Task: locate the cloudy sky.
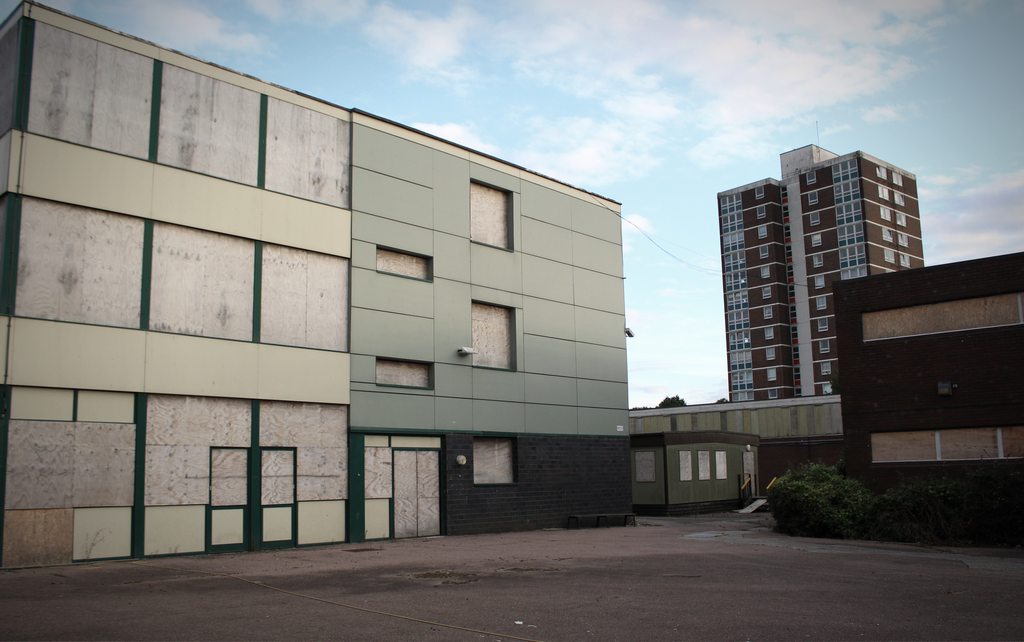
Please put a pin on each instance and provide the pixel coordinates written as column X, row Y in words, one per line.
column 660, row 105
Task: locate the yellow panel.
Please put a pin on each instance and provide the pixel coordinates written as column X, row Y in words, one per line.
column 298, row 374
column 415, row 442
column 321, row 522
column 102, row 533
column 37, row 537
column 378, row 518
column 179, row 364
column 323, row 228
column 175, row 529
column 376, row 441
column 53, row 404
column 227, row 526
column 68, row 355
column 277, row 523
column 111, row 407
column 204, row 202
column 88, row 177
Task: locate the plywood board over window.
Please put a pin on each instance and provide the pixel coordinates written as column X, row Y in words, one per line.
column 492, row 336
column 643, row 466
column 307, row 153
column 401, row 263
column 948, row 316
column 969, row 443
column 916, row 445
column 304, row 299
column 493, row 460
column 403, row 373
column 489, row 215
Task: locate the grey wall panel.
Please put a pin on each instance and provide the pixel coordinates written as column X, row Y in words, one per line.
column 596, row 254
column 307, row 154
column 40, row 464
column 391, row 155
column 377, row 468
column 202, row 421
column 546, row 279
column 544, row 204
column 548, row 318
column 90, row 93
column 202, row 283
column 451, row 198
column 177, row 475
column 392, row 198
column 392, row 335
column 544, row 355
column 547, row 241
column 8, row 73
column 229, row 476
column 600, row 362
column 605, row 328
column 104, row 464
column 208, row 126
column 599, row 291
column 304, row 299
column 78, row 264
column 277, row 474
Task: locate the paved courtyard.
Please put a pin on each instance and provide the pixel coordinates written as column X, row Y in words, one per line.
column 719, row 577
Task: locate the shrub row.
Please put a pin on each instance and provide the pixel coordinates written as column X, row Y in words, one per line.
column 980, row 507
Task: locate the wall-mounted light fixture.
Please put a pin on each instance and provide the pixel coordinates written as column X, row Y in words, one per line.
column 461, row 460
column 629, row 333
column 467, row 350
column 946, row 388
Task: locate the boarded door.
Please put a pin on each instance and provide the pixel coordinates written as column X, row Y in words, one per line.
column 417, row 497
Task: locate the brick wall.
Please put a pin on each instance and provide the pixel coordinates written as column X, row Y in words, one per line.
column 555, row 477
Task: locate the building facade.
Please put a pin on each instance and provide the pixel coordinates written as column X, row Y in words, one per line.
column 932, row 379
column 236, row 317
column 785, row 242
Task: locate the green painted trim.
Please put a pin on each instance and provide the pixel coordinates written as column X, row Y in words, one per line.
column 255, row 531
column 261, row 158
column 413, row 432
column 5, row 420
column 210, row 508
column 442, row 486
column 355, row 506
column 257, row 291
column 139, row 491
column 12, row 243
column 147, row 274
column 26, row 47
column 154, row 110
column 74, row 405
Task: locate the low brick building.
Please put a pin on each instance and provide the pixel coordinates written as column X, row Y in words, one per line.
column 932, row 379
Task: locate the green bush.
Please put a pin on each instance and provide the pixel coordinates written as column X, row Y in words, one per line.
column 817, row 501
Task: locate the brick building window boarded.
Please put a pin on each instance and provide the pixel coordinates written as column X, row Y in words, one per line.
column 489, row 208
column 409, row 374
column 493, row 461
column 948, row 316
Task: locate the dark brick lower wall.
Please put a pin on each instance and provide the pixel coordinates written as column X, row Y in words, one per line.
column 776, row 456
column 556, row 476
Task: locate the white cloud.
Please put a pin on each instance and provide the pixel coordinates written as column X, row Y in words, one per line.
column 187, row 26
column 461, row 134
column 430, row 46
column 312, row 12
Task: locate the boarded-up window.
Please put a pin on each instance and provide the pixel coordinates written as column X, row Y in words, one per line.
column 304, row 299
column 489, row 209
column 703, row 465
column 1013, row 441
column 969, row 443
column 410, row 265
column 307, row 153
column 493, row 461
column 229, row 476
column 949, row 316
column 90, row 93
column 492, row 336
column 403, row 373
column 643, row 466
column 915, row 445
column 721, row 465
column 78, row 264
column 208, row 126
column 277, row 477
column 202, row 283
column 685, row 465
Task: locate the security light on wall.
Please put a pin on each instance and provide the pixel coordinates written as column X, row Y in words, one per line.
column 467, row 350
column 629, row 333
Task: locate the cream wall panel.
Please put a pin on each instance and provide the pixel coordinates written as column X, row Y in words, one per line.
column 227, row 527
column 101, row 533
column 175, row 529
column 78, row 264
column 52, row 404
column 302, row 375
column 277, row 523
column 304, row 299
column 179, row 364
column 37, row 537
column 377, row 518
column 40, row 464
column 321, row 522
column 324, row 229
column 177, row 475
column 90, row 93
column 202, row 283
column 104, row 464
column 111, row 407
column 377, row 471
column 229, row 476
column 200, row 421
column 415, row 442
column 205, row 202
column 376, row 441
column 278, row 477
column 208, row 126
column 307, row 153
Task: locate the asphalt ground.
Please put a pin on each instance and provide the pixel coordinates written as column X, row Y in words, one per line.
column 718, row 577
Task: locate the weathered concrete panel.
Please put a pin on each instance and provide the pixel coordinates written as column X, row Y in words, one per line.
column 228, row 476
column 177, row 475
column 410, row 265
column 492, row 336
column 208, row 126
column 377, row 470
column 307, row 154
column 104, row 464
column 304, row 299
column 90, row 93
column 202, row 283
column 278, row 477
column 78, row 264
column 200, row 421
column 403, row 373
column 40, row 460
column 37, row 537
column 489, row 211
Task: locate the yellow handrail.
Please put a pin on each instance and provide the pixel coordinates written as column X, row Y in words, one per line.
column 769, row 486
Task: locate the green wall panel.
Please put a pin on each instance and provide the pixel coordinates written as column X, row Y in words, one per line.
column 557, row 420
column 391, row 410
column 547, row 389
column 544, row 355
column 391, row 293
column 392, row 335
column 603, row 421
column 392, row 198
column 494, row 178
column 543, row 204
column 596, row 254
column 451, row 257
column 364, row 255
column 602, row 394
column 596, row 220
column 500, row 416
column 494, row 268
column 547, row 279
column 605, row 328
column 391, row 155
column 453, row 381
column 498, row 385
column 548, row 318
column 451, row 194
column 600, row 362
column 547, row 241
column 453, row 324
column 393, row 234
column 596, row 290
column 362, row 368
column 453, row 414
